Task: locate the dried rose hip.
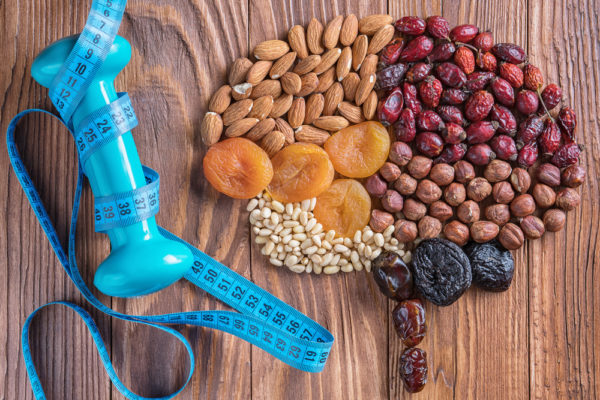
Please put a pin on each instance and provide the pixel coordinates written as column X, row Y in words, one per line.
column 478, row 80
column 566, row 155
column 417, row 49
column 453, row 133
column 551, row 95
column 509, row 52
column 532, row 77
column 527, row 102
column 390, row 77
column 503, row 92
column 484, row 41
column 411, row 25
column 410, row 98
column 481, row 131
column 451, row 153
column 454, row 97
column 429, row 144
column 512, row 73
column 464, row 58
column 450, row 75
column 487, row 61
column 463, row 33
column 391, row 52
column 549, row 140
column 504, row 146
column 441, row 52
column 567, row 121
column 390, row 107
column 507, row 123
column 492, row 265
column 429, row 120
column 478, row 106
column 409, row 321
column 430, row 91
column 413, row 369
column 451, row 114
column 438, row 27
column 404, row 128
column 528, row 154
column 418, row 72
column 480, row 154
column 393, row 276
column 529, row 130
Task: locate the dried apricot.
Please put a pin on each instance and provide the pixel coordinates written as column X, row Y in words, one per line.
column 358, row 151
column 345, row 207
column 301, row 171
column 238, row 168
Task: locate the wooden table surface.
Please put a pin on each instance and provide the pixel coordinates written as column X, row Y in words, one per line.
column 541, row 339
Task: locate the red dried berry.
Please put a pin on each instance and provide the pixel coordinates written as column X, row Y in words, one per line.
column 411, row 25
column 451, row 114
column 528, row 155
column 454, row 133
column 391, row 52
column 481, row 131
column 527, row 102
column 478, row 106
column 404, row 128
column 484, row 41
column 453, row 96
column 503, row 92
column 509, row 52
column 389, row 108
column 478, row 80
column 532, row 77
column 463, row 33
column 418, row 72
column 413, row 369
column 549, row 140
column 429, row 144
column 529, row 130
column 567, row 121
column 464, row 58
column 438, row 27
column 441, row 52
column 410, row 98
column 450, row 75
column 551, row 95
column 390, row 77
column 567, row 154
column 451, row 153
column 429, row 120
column 507, row 123
column 430, row 92
column 480, row 154
column 417, row 49
column 504, row 146
column 487, row 61
column 409, row 320
column 512, row 73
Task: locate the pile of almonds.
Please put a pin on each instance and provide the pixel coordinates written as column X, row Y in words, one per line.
column 319, row 81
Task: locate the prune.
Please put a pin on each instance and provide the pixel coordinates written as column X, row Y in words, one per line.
column 409, row 321
column 491, row 264
column 413, row 369
column 389, row 77
column 393, row 276
column 442, row 271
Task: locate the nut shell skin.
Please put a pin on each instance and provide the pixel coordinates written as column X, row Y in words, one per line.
column 492, row 265
column 503, row 192
column 405, row 184
column 455, row 194
column 544, row 195
column 406, row 231
column 568, row 199
column 554, row 220
column 573, row 176
column 429, row 227
column 532, row 227
column 498, row 214
column 457, row 232
column 522, row 205
column 484, row 231
column 520, row 180
column 511, row 236
column 468, row 212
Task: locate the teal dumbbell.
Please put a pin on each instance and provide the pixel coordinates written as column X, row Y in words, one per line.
column 142, row 260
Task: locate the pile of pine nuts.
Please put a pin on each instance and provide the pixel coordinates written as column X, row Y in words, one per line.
column 291, row 236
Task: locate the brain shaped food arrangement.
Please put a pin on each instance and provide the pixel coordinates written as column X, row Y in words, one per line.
column 363, row 141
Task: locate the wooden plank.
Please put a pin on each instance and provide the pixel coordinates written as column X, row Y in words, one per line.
column 565, row 327
column 348, row 305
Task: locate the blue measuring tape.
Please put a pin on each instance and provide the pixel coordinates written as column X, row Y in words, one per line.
column 262, row 319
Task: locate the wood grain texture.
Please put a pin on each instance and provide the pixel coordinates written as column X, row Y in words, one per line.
column 541, row 339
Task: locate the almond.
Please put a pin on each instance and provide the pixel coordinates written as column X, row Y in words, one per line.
column 239, row 70
column 282, row 126
column 380, row 39
column 351, row 112
column 308, row 64
column 371, row 24
column 241, row 91
column 281, row 105
column 359, row 51
column 261, row 129
column 331, row 123
column 364, row 88
column 297, row 40
column 272, row 142
column 350, row 83
column 296, row 113
column 309, row 83
column 328, row 60
column 344, row 63
column 370, row 105
column 291, row 83
column 333, row 97
column 326, row 79
column 220, row 100
column 314, row 34
column 271, row 50
column 237, row 111
column 310, row 134
column 239, row 128
column 269, row 87
column 349, row 30
column 314, row 107
column 211, row 128
column 258, row 72
column 262, row 107
column 282, row 65
column 369, row 66
column 331, row 35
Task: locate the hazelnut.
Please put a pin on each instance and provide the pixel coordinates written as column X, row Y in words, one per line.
column 463, row 171
column 498, row 214
column 468, row 212
column 522, row 205
column 478, row 189
column 442, row 174
column 502, row 192
column 400, row 153
column 549, row 174
column 484, row 231
column 520, row 180
column 406, row 231
column 390, row 171
column 380, row 220
column 554, row 220
column 497, row 170
column 440, row 210
column 511, row 236
column 375, row 185
column 414, row 210
column 428, row 191
column 573, row 176
column 455, row 194
column 405, row 184
column 429, row 227
column 567, row 199
column 419, row 167
column 544, row 195
column 532, row 227
column 457, row 232
column 392, row 201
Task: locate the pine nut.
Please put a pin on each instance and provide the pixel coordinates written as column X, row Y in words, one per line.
column 306, row 244
column 296, row 213
column 347, row 268
column 387, row 233
column 326, row 245
column 298, row 268
column 305, row 205
column 317, row 240
column 290, row 260
column 317, row 229
column 310, row 224
column 378, row 239
column 298, row 229
column 260, row 240
column 275, row 262
column 299, row 236
column 366, row 236
column 357, row 237
column 332, row 269
column 269, row 247
column 311, row 250
column 317, row 269
column 303, row 218
column 294, row 243
column 313, row 203
column 290, row 224
column 277, row 206
column 329, row 236
column 256, row 230
column 252, row 205
column 340, row 248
